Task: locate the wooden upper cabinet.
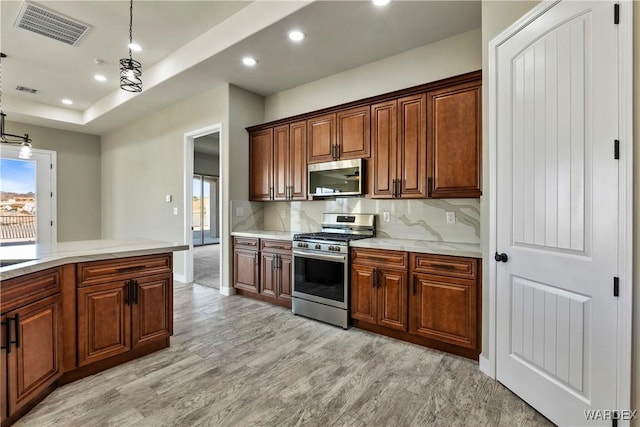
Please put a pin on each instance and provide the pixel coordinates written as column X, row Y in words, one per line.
column 353, row 136
column 398, row 168
column 261, row 165
column 412, row 146
column 321, row 140
column 455, row 135
column 281, row 161
column 298, row 161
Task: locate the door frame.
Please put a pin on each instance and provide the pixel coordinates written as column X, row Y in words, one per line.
column 625, row 196
column 189, row 138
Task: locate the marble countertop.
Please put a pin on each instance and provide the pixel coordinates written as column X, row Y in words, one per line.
column 266, row 234
column 422, row 246
column 46, row 255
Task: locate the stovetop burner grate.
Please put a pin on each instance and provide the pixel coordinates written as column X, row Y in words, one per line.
column 338, row 237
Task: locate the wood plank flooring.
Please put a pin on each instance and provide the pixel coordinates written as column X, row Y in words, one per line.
column 234, row 361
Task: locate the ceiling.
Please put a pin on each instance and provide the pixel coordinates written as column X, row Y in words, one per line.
column 192, row 46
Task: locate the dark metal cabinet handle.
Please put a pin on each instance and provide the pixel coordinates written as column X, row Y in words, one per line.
column 17, row 321
column 7, row 325
column 393, row 188
column 501, row 257
column 399, row 190
column 429, row 186
column 255, row 258
column 415, row 284
column 270, row 193
column 379, row 274
column 136, row 289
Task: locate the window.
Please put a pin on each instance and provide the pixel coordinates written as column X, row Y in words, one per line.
column 27, row 197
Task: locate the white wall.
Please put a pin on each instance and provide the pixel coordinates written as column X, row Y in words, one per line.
column 496, row 17
column 206, row 164
column 78, row 178
column 449, row 57
column 143, row 161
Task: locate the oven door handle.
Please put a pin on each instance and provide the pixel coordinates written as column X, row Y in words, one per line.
column 326, row 257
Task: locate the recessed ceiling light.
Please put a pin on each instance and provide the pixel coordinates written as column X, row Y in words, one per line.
column 296, row 35
column 67, row 101
column 249, row 61
column 381, row 2
column 100, row 78
column 135, row 47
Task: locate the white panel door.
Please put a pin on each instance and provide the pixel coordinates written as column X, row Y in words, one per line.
column 557, row 211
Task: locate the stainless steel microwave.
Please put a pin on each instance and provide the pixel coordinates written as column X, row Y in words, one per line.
column 339, row 178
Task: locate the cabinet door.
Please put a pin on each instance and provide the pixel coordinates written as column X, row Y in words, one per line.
column 268, row 274
column 321, row 138
column 363, row 294
column 392, row 299
column 35, row 362
column 285, row 270
column 261, row 165
column 444, row 309
column 280, row 162
column 382, row 166
column 354, row 137
column 152, row 309
column 412, row 146
column 455, row 136
column 298, row 161
column 104, row 322
column 245, row 270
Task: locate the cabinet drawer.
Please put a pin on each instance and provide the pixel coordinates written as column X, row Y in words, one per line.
column 450, row 266
column 246, row 242
column 393, row 259
column 29, row 288
column 275, row 245
column 98, row 271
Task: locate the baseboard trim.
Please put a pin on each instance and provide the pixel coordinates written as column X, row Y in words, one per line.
column 227, row 291
column 486, row 367
column 180, row 278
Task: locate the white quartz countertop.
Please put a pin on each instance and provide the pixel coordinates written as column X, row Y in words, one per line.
column 46, row 255
column 422, row 246
column 265, row 234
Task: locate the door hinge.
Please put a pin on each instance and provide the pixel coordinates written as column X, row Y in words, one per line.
column 616, row 13
column 616, row 287
column 616, row 149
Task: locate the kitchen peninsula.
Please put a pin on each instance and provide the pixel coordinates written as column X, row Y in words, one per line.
column 72, row 309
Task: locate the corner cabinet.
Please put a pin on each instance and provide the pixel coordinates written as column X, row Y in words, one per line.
column 455, row 135
column 31, row 338
column 261, row 165
column 123, row 305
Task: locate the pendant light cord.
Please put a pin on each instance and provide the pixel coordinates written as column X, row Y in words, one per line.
column 130, row 26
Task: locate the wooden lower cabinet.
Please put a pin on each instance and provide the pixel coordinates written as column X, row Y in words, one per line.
column 31, row 340
column 115, row 318
column 431, row 300
column 265, row 273
column 379, row 292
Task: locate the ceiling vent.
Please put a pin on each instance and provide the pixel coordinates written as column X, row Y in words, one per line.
column 26, row 89
column 51, row 24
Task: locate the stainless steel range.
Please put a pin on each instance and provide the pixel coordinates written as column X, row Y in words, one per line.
column 321, row 267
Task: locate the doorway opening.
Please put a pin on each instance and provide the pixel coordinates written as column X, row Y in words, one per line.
column 205, row 223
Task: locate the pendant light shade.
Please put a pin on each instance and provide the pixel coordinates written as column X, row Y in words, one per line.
column 130, row 69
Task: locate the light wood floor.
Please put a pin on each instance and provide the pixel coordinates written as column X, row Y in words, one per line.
column 234, row 361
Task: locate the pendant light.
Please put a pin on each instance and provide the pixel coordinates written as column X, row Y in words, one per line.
column 130, row 69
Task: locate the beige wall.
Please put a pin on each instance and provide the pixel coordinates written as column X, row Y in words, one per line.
column 144, row 160
column 78, row 178
column 206, row 164
column 449, row 57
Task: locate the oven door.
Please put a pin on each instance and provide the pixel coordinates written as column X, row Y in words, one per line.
column 321, row 278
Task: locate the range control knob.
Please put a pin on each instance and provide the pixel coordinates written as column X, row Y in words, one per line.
column 331, row 248
column 318, row 246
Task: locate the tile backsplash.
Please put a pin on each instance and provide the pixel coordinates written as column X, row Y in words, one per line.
column 420, row 219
